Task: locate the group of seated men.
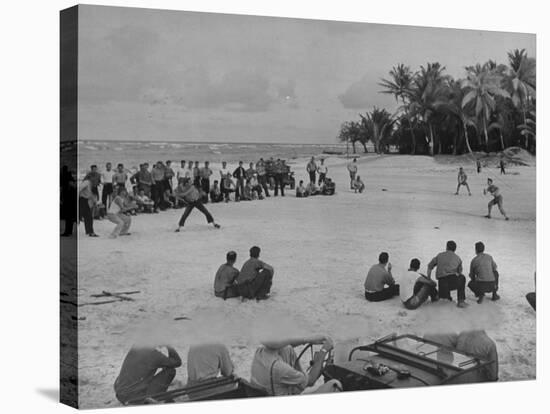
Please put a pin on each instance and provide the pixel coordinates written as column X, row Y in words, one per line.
column 148, row 371
column 484, row 278
column 253, row 281
column 326, row 187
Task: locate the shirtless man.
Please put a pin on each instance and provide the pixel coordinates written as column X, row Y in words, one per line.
column 462, row 180
column 352, row 168
column 497, row 199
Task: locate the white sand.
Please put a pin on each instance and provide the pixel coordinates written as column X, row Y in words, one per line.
column 321, row 249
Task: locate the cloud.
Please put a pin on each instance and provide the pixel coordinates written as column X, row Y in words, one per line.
column 359, row 94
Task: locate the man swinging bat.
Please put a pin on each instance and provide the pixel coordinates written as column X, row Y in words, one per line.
column 497, row 198
column 462, row 180
column 192, row 197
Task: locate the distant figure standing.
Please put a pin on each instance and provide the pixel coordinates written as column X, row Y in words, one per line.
column 107, row 180
column 86, row 201
column 206, row 172
column 478, row 166
column 352, row 169
column 502, row 169
column 197, row 175
column 181, row 171
column 279, row 170
column 120, row 177
column 239, row 174
column 96, row 180
column 322, row 170
column 157, row 189
column 261, row 169
column 449, row 274
column 311, row 168
column 256, row 277
column 380, row 284
column 462, row 181
column 146, row 371
column 483, row 274
column 497, row 199
column 191, row 195
column 168, row 176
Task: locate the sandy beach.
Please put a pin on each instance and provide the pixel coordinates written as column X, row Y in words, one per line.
column 321, row 248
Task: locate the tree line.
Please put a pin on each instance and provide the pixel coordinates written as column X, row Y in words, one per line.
column 491, row 109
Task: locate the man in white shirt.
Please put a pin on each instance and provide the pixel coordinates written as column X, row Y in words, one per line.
column 107, row 180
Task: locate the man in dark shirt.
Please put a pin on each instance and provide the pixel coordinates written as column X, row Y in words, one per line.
column 279, row 169
column 95, row 175
column 256, row 277
column 483, row 274
column 226, row 276
column 239, row 174
column 379, row 284
column 449, row 274
column 206, row 172
column 168, row 175
column 139, row 379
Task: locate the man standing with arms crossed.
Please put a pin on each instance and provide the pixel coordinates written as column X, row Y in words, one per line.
column 239, row 174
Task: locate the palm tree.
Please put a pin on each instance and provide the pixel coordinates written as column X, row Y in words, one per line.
column 378, row 123
column 350, row 132
column 429, row 87
column 480, row 89
column 400, row 85
column 521, row 82
column 452, row 106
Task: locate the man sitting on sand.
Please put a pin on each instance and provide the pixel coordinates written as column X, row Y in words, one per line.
column 256, row 277
column 276, row 370
column 191, row 195
column 312, row 189
column 143, row 202
column 462, row 181
column 215, row 193
column 301, row 190
column 497, row 199
column 357, row 185
column 483, row 274
column 146, row 371
column 379, row 284
column 423, row 289
column 225, row 285
column 328, row 187
column 208, row 361
column 449, row 274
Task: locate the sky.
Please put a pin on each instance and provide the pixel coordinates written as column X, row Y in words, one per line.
column 158, row 75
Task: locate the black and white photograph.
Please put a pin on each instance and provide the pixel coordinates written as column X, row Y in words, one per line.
column 258, row 206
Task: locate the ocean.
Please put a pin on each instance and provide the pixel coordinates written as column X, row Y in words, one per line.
column 131, row 154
